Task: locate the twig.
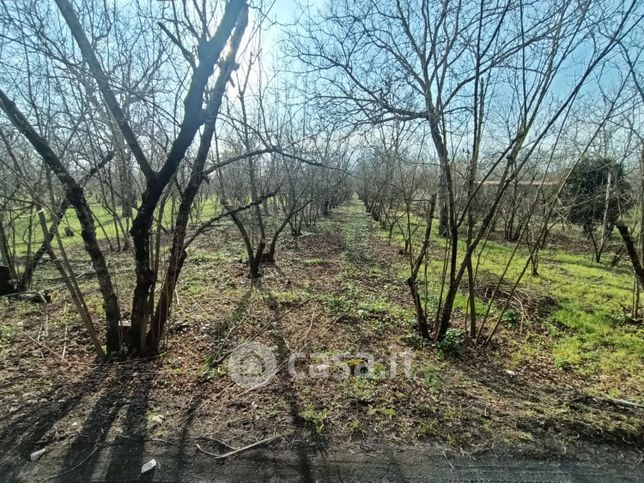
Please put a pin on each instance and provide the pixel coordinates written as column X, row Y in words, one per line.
column 91, row 453
column 447, row 459
column 43, row 346
column 208, row 438
column 230, row 453
column 624, row 402
column 64, row 343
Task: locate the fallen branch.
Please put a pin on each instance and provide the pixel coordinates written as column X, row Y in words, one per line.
column 30, row 296
column 219, row 442
column 236, row 451
column 606, row 400
column 624, row 402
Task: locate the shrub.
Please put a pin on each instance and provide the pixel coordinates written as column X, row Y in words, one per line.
column 452, row 343
column 511, row 317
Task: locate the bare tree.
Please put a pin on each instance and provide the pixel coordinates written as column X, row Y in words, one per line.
column 200, row 43
column 443, row 64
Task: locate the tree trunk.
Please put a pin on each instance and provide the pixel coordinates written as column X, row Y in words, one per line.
column 632, row 252
column 76, row 197
column 178, row 254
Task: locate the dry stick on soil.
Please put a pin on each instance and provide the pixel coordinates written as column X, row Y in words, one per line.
column 250, row 446
column 29, row 296
column 623, row 402
column 43, row 346
column 78, row 465
column 215, row 440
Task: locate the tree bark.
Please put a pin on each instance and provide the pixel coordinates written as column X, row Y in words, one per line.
column 632, row 252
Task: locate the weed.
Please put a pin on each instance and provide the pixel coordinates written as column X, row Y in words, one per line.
column 426, row 428
column 433, row 379
column 511, row 317
column 388, row 412
column 316, row 420
column 290, row 297
column 361, row 390
column 451, row 344
column 356, row 427
column 338, row 304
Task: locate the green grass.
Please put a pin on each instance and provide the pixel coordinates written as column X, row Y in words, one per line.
column 69, row 221
column 315, row 419
column 103, row 221
column 587, row 331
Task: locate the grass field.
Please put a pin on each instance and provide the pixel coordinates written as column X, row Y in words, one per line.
column 587, row 327
column 103, row 221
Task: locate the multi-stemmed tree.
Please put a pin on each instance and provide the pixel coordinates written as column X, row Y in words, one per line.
column 80, row 56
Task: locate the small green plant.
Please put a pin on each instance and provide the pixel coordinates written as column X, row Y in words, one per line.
column 426, row 428
column 451, row 344
column 290, row 297
column 388, row 412
column 355, row 426
column 315, row 419
column 361, row 390
column 433, row 379
column 511, row 317
column 338, row 304
column 415, row 340
column 5, row 331
column 211, row 369
column 426, row 410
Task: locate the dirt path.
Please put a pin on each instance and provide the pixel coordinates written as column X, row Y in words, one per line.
column 373, row 464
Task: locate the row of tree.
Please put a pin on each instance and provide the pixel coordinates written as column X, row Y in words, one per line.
column 489, row 108
column 140, row 118
column 154, row 121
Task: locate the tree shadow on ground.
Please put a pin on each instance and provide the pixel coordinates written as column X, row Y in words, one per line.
column 136, row 425
column 220, row 334
column 290, row 394
column 550, row 411
column 185, row 448
column 126, row 392
column 122, row 397
column 26, row 430
column 182, row 455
